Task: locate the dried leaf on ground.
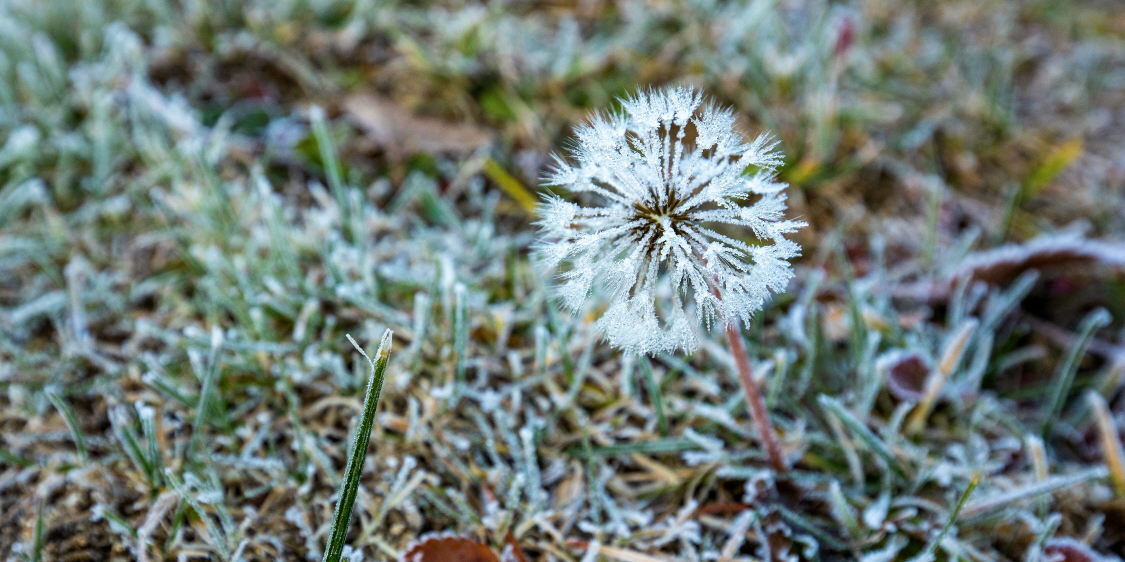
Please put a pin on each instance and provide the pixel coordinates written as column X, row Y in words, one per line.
column 906, row 374
column 448, row 548
column 401, row 131
column 1062, row 252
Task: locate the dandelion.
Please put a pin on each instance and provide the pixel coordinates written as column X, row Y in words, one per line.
column 650, row 240
column 663, row 178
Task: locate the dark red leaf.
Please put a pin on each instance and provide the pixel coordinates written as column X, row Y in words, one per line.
column 448, row 548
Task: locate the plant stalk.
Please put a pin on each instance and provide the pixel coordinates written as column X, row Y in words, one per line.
column 754, row 400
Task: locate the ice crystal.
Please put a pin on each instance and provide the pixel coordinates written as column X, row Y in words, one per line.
column 649, row 240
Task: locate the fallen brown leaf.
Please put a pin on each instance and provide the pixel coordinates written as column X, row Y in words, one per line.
column 907, row 374
column 1059, row 252
column 448, row 548
column 1055, row 254
column 1066, row 549
column 399, row 130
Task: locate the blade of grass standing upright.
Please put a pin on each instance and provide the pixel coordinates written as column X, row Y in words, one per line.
column 330, row 160
column 1064, row 376
column 866, row 435
column 71, row 422
column 657, row 395
column 352, row 471
column 927, row 555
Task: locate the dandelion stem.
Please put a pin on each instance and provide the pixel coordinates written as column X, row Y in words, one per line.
column 754, row 400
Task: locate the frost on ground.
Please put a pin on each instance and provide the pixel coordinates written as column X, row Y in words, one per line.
column 185, row 240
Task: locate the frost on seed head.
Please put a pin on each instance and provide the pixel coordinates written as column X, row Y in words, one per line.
column 646, row 239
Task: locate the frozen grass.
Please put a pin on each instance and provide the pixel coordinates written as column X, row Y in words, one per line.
column 357, row 455
column 186, row 238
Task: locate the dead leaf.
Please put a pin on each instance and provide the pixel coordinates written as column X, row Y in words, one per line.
column 1065, row 252
column 906, row 374
column 836, row 322
column 1066, row 549
column 400, row 131
column 1068, row 254
column 447, row 548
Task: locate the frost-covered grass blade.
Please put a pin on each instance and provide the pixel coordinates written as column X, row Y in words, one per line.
column 337, row 536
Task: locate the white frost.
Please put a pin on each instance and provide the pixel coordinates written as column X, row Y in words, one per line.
column 648, row 241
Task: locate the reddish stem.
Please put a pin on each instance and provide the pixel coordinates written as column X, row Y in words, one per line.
column 516, row 550
column 722, row 508
column 754, row 399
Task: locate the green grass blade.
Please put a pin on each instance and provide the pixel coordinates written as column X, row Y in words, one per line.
column 804, row 523
column 998, row 500
column 71, row 422
column 928, row 554
column 326, row 148
column 207, row 386
column 39, row 543
column 654, row 447
column 352, row 471
column 460, row 339
column 655, row 394
column 13, row 458
column 1064, row 377
column 866, row 435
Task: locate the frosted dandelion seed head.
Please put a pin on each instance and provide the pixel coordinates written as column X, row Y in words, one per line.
column 657, row 180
